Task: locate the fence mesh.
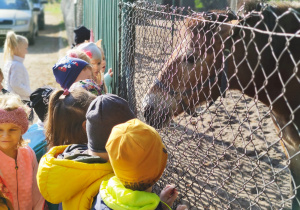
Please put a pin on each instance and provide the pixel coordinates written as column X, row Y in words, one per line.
column 226, row 153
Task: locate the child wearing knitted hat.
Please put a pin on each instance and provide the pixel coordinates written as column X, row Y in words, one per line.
column 77, row 170
column 69, row 70
column 75, row 53
column 18, row 165
column 138, row 158
column 98, row 62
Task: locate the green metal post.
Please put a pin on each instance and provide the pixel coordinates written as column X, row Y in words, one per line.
column 127, row 90
column 172, row 27
column 102, row 17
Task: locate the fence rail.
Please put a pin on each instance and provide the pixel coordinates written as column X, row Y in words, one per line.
column 226, row 153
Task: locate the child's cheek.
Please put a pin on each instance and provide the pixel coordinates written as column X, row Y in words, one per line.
column 95, row 69
column 102, row 69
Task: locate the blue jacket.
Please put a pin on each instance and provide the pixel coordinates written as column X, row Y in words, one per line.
column 37, row 139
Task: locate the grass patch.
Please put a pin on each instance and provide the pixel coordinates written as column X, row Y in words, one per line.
column 53, row 9
column 198, row 5
column 62, row 25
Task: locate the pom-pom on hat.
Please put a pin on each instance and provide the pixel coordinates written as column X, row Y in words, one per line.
column 137, row 154
column 91, row 49
column 67, row 69
column 39, row 100
column 81, row 34
column 103, row 114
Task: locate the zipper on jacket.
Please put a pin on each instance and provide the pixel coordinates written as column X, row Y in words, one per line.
column 17, row 183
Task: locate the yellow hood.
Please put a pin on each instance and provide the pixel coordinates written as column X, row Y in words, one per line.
column 73, row 183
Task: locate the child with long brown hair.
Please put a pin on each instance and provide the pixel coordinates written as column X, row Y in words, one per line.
column 18, row 165
column 65, row 121
column 15, row 74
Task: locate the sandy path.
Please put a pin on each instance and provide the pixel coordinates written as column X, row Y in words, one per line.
column 49, row 46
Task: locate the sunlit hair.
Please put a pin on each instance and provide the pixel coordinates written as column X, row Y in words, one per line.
column 10, row 102
column 66, row 114
column 103, row 58
column 102, row 75
column 1, row 76
column 75, row 53
column 12, row 43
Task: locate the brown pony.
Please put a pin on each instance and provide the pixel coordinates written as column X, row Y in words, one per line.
column 257, row 54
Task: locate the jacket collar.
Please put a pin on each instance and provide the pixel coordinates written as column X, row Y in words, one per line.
column 17, row 58
column 117, row 197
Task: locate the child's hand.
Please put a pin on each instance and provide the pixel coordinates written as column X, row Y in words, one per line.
column 110, row 72
column 182, row 207
column 168, row 195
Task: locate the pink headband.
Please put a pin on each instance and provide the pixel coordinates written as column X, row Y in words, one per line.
column 17, row 116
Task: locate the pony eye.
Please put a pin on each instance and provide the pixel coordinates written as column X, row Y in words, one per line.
column 190, row 59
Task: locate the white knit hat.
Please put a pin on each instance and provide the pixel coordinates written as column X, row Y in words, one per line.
column 91, row 49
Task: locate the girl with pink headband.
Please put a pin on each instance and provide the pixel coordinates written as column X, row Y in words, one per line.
column 18, row 165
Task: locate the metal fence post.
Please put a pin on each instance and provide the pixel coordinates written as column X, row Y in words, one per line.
column 102, row 17
column 126, row 88
column 233, row 5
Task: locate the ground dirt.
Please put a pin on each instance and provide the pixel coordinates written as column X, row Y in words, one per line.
column 229, row 156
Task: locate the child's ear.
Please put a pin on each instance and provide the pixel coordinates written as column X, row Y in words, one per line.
column 98, row 43
column 84, row 125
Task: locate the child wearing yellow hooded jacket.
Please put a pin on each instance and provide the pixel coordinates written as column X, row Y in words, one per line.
column 72, row 174
column 138, row 158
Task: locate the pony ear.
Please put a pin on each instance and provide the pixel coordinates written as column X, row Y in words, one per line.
column 213, row 17
column 220, row 15
column 98, row 43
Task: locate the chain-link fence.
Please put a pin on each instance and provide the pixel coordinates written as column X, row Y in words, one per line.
column 225, row 153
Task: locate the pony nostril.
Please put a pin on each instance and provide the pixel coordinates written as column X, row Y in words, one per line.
column 148, row 111
column 148, row 108
column 152, row 117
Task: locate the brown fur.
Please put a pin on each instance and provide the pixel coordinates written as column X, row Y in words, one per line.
column 209, row 39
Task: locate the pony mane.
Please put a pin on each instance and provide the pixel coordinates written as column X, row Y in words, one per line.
column 276, row 7
column 213, row 15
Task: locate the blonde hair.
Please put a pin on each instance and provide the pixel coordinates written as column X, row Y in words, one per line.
column 75, row 53
column 63, row 124
column 10, row 102
column 11, row 45
column 99, row 45
column 1, row 76
column 1, row 73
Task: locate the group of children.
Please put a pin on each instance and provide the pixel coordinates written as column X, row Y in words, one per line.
column 87, row 150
